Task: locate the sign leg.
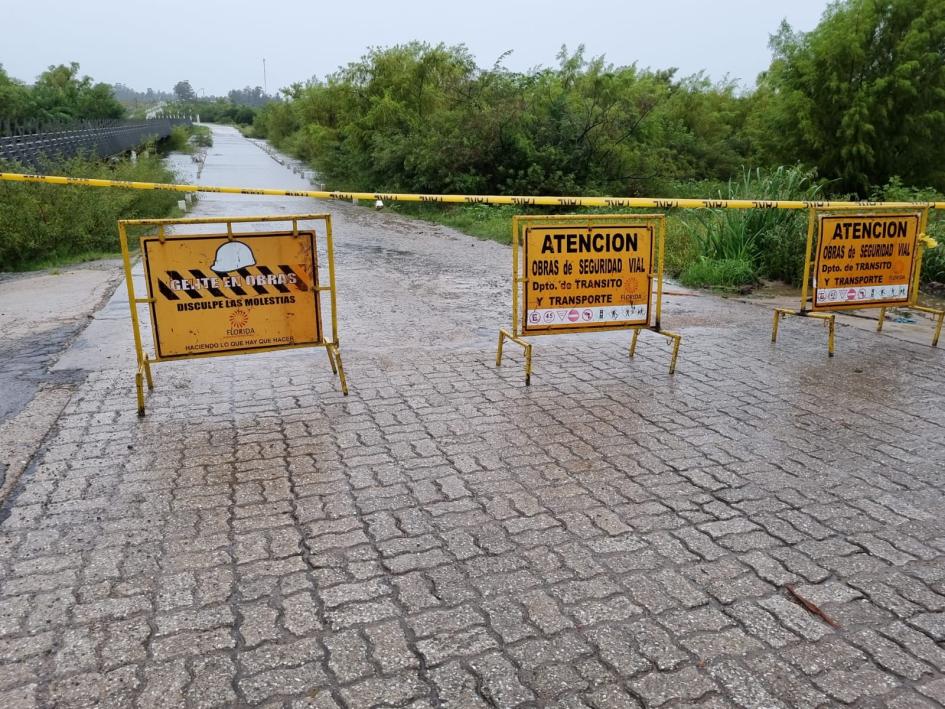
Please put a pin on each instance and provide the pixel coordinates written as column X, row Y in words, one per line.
column 528, row 365
column 882, row 319
column 341, row 370
column 633, row 341
column 774, row 326
column 498, row 352
column 139, row 386
column 938, row 328
column 147, row 373
column 331, row 360
column 672, row 365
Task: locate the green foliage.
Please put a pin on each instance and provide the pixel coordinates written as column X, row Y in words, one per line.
column 184, row 138
column 861, row 97
column 178, row 140
column 15, row 102
column 201, row 136
column 771, row 240
column 933, row 261
column 719, row 273
column 215, row 110
column 184, row 91
column 249, row 96
column 425, row 118
column 59, row 94
column 43, row 223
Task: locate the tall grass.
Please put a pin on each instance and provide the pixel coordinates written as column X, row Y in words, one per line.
column 768, row 243
column 186, row 138
column 46, row 224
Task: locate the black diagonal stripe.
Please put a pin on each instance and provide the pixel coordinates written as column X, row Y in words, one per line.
column 244, row 272
column 177, row 277
column 278, row 286
column 299, row 281
column 215, row 292
column 236, row 289
column 166, row 292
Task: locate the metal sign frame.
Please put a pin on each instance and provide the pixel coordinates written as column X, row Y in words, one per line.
column 829, row 314
column 145, row 360
column 520, row 225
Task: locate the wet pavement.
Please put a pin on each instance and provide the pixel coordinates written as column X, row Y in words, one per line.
column 608, row 537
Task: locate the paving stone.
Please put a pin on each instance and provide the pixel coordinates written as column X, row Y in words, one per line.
column 851, row 685
column 657, row 645
column 830, row 652
column 164, row 685
column 258, row 623
column 456, row 686
column 658, row 688
column 783, row 682
column 392, row 691
column 543, row 612
column 741, row 685
column 795, row 618
column 932, row 624
column 460, row 643
column 213, row 682
column 298, row 680
column 917, row 644
column 934, row 690
column 348, row 656
column 731, row 641
column 300, row 614
column 507, row 618
column 618, row 649
column 270, row 655
column 390, row 647
column 888, row 655
column 191, row 643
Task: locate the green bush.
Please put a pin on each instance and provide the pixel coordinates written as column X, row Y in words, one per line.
column 42, row 224
column 184, row 138
column 177, row 141
column 933, row 262
column 723, row 273
column 201, row 136
column 772, row 241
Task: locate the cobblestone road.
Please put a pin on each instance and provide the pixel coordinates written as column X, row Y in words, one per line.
column 609, row 537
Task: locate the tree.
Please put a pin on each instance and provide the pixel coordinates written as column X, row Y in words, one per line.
column 249, row 96
column 862, row 96
column 184, row 91
column 15, row 103
column 59, row 94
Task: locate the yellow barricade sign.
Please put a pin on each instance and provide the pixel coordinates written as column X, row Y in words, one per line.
column 215, row 295
column 865, row 260
column 580, row 273
column 587, row 277
column 861, row 259
column 232, row 292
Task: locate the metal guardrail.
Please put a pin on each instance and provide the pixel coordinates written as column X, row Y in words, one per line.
column 99, row 138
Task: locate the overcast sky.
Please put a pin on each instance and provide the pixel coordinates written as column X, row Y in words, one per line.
column 218, row 46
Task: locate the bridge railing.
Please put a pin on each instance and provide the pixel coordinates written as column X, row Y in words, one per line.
column 36, row 145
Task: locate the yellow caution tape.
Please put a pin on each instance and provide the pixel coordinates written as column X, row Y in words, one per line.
column 522, row 201
column 928, row 242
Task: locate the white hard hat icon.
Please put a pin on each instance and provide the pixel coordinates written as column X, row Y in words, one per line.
column 233, row 255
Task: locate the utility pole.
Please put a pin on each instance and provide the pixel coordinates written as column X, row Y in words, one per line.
column 265, row 84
